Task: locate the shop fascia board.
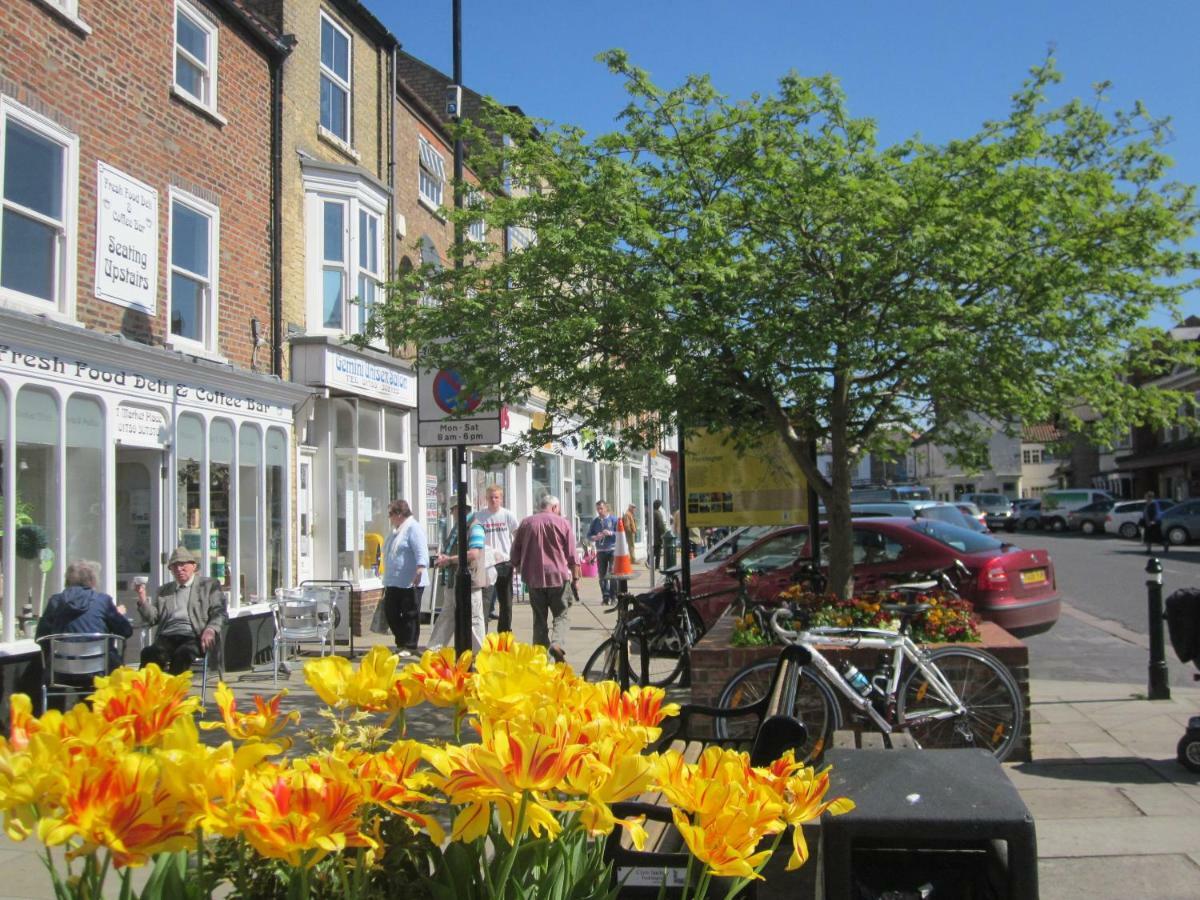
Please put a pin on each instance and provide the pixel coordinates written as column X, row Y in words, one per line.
column 108, row 350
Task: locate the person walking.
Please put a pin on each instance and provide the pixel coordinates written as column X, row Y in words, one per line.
column 405, row 558
column 659, row 528
column 543, row 551
column 499, row 526
column 1152, row 531
column 603, row 535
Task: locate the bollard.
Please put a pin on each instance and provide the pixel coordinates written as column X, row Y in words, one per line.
column 1159, row 688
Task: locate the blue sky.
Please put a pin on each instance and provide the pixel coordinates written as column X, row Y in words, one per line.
column 937, row 68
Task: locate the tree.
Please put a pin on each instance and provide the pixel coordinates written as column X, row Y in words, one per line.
column 764, row 265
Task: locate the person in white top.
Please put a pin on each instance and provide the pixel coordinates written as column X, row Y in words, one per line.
column 499, row 526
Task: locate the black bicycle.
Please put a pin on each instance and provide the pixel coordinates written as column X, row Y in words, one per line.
column 654, row 632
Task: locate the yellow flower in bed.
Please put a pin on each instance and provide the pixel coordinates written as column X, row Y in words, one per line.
column 374, row 686
column 801, row 792
column 264, row 724
column 121, row 803
column 609, row 773
column 146, row 703
column 391, row 779
column 302, row 812
column 442, row 677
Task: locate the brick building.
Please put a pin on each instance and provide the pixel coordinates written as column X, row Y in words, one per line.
column 137, row 292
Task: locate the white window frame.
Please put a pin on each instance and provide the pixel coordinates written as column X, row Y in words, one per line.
column 476, row 229
column 345, row 84
column 359, row 312
column 207, row 346
column 208, row 69
column 63, row 306
column 431, row 168
column 357, row 195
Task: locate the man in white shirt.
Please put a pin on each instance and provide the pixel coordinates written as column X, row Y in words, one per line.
column 499, row 526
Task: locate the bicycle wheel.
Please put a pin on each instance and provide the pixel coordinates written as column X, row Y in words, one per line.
column 994, row 715
column 663, row 653
column 602, row 664
column 815, row 705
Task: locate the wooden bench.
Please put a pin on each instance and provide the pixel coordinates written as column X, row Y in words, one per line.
column 664, row 859
column 859, row 739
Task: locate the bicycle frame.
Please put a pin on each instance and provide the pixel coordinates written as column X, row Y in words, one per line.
column 901, row 647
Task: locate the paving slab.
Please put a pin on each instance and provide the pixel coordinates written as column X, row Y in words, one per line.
column 1162, row 800
column 1080, row 803
column 1145, row 836
column 1163, row 877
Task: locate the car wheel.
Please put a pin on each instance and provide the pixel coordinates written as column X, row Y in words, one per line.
column 1058, row 525
column 1177, row 535
column 1088, row 527
column 1129, row 530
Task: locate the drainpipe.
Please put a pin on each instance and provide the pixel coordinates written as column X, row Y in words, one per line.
column 277, row 214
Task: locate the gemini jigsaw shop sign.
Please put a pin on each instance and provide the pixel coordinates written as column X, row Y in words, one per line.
column 126, row 240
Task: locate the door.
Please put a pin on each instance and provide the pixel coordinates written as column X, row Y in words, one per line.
column 304, row 517
column 139, row 519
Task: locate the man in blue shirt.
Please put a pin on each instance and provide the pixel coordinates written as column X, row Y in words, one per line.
column 405, row 558
column 603, row 535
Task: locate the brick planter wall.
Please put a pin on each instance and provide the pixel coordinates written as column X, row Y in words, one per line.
column 714, row 662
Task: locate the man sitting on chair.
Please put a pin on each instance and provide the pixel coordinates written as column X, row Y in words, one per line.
column 81, row 609
column 190, row 614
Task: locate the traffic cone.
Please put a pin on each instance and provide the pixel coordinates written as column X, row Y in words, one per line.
column 622, row 565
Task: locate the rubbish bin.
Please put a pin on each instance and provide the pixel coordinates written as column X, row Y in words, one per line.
column 670, row 558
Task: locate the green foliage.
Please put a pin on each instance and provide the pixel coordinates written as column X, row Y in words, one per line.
column 764, row 265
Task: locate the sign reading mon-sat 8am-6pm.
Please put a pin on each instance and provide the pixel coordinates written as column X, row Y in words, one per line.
column 447, row 412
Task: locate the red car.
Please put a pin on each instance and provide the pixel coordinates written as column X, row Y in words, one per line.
column 1012, row 587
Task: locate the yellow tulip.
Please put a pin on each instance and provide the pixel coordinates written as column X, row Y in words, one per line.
column 391, row 780
column 442, row 677
column 374, row 687
column 726, row 845
column 264, row 724
column 145, row 702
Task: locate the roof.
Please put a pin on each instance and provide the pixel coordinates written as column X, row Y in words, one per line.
column 258, row 26
column 1044, row 433
column 420, row 82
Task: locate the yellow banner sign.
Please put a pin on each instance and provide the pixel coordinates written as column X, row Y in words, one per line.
column 761, row 486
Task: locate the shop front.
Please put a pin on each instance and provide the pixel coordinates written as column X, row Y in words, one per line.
column 117, row 452
column 355, row 455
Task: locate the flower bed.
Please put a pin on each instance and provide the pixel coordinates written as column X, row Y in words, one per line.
column 521, row 811
column 715, row 660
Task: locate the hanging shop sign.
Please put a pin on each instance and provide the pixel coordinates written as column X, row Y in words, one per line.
column 126, row 240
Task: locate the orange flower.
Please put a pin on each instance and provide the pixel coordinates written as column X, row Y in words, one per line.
column 442, row 677
column 391, row 779
column 145, row 703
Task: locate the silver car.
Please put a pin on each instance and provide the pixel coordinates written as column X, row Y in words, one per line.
column 1181, row 523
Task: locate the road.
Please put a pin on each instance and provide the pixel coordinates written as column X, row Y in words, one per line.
column 1103, row 634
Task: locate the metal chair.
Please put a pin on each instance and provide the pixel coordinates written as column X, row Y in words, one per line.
column 212, row 661
column 300, row 619
column 72, row 662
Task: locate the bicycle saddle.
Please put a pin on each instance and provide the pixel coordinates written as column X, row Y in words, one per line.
column 906, row 609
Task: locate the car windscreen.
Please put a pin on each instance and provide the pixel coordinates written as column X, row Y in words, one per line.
column 960, row 539
column 948, row 514
column 991, row 501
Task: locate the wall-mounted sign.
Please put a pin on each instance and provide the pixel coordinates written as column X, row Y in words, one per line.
column 362, row 376
column 126, row 240
column 137, row 426
column 761, row 485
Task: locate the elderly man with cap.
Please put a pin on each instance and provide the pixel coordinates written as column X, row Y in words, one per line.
column 190, row 613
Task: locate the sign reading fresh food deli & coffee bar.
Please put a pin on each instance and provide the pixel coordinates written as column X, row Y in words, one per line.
column 126, row 240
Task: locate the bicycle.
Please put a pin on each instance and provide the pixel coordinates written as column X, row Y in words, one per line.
column 657, row 630
column 954, row 696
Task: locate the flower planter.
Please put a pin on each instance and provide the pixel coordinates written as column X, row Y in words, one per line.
column 715, row 661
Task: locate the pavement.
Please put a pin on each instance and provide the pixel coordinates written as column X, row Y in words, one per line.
column 1116, row 815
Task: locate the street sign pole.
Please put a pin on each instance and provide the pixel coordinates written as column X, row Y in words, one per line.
column 462, row 584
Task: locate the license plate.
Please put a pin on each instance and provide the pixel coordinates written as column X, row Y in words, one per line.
column 1033, row 576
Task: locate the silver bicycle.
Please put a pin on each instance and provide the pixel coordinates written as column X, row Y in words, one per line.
column 949, row 697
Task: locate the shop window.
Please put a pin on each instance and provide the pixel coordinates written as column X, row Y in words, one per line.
column 545, row 477
column 335, row 80
column 195, row 55
column 220, row 495
column 610, row 478
column 637, row 497
column 482, row 478
column 395, row 430
column 276, row 501
column 39, row 165
column 85, row 468
column 195, row 226
column 38, row 484
column 369, row 415
column 189, row 454
column 431, row 169
column 438, row 491
column 375, row 478
column 249, row 479
column 344, row 432
column 4, row 504
column 585, row 496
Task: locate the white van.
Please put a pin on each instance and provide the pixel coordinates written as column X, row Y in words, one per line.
column 1056, row 504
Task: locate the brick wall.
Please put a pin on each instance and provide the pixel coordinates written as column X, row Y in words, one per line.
column 112, row 88
column 714, row 662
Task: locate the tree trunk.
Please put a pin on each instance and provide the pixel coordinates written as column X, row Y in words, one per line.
column 837, row 505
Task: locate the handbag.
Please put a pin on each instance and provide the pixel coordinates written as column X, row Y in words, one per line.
column 379, row 623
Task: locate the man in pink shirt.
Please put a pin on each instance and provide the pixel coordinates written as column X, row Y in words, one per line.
column 543, row 551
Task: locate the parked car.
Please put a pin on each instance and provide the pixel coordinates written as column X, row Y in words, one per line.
column 976, row 520
column 1126, row 517
column 997, row 509
column 1181, row 523
column 739, row 539
column 1012, row 586
column 1090, row 519
column 917, row 509
column 1028, row 512
column 1056, row 504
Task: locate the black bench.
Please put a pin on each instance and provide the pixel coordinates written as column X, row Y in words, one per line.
column 664, row 859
